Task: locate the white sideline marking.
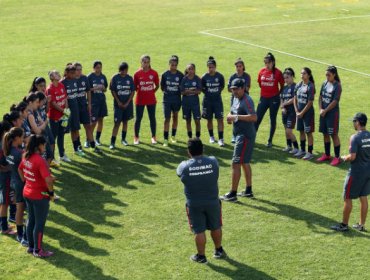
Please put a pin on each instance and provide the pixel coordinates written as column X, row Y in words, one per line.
column 207, row 32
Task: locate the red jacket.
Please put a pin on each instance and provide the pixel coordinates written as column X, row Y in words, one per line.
column 145, row 84
column 269, row 82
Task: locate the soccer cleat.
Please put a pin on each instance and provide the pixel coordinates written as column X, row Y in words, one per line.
column 221, row 142
column 246, row 194
column 87, row 144
column 324, row 157
column 111, row 147
column 154, row 140
column 54, row 163
column 359, row 227
column 65, row 159
column 80, row 153
column 30, row 250
column 300, row 154
column 9, row 231
column 124, row 143
column 23, row 241
column 293, row 151
column 199, row 259
column 287, row 149
column 97, row 142
column 229, row 197
column 340, row 227
column 269, row 144
column 212, row 140
column 335, row 161
column 56, row 197
column 220, row 254
column 43, row 254
column 308, row 156
column 98, row 151
column 173, row 140
column 165, row 143
column 11, row 219
column 136, row 141
column 233, row 140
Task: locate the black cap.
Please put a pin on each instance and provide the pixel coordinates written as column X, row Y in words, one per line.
column 237, row 83
column 123, row 66
column 361, row 118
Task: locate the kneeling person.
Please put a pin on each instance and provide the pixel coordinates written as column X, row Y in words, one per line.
column 199, row 175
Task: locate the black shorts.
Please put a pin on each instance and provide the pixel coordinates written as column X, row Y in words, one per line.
column 99, row 108
column 212, row 108
column 123, row 115
column 206, row 217
column 329, row 124
column 188, row 110
column 243, row 149
column 171, row 107
column 84, row 114
column 5, row 190
column 307, row 122
column 289, row 119
column 18, row 188
column 356, row 185
column 74, row 118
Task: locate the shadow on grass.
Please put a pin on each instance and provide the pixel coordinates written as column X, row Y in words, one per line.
column 313, row 220
column 241, row 271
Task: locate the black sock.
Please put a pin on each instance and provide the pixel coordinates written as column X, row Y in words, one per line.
column 197, row 134
column 337, row 151
column 310, row 148
column 210, row 132
column 113, row 140
column 248, row 189
column 92, row 144
column 220, row 135
column 98, row 134
column 327, row 148
column 123, row 135
column 20, row 231
column 344, row 224
column 190, row 134
column 25, row 233
column 289, row 143
column 220, row 249
column 79, row 141
column 233, row 193
column 174, row 132
column 295, row 144
column 4, row 223
column 303, row 145
column 75, row 145
column 12, row 210
column 165, row 135
column 201, row 256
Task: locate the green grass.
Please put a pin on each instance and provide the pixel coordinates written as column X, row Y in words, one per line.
column 121, row 216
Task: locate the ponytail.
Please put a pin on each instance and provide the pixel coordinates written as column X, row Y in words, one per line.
column 309, row 73
column 33, row 145
column 4, row 127
column 173, row 58
column 32, row 97
column 211, row 61
column 9, row 138
column 332, row 69
column 11, row 117
column 20, row 107
column 269, row 56
column 36, row 81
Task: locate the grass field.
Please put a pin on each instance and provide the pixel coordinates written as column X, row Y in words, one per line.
column 121, row 215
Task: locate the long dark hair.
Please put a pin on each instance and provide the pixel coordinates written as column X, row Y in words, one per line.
column 4, row 127
column 289, row 71
column 20, row 107
column 332, row 69
column 41, row 96
column 33, row 145
column 9, row 138
column 36, row 81
column 30, row 98
column 269, row 56
column 186, row 72
column 11, row 117
column 309, row 73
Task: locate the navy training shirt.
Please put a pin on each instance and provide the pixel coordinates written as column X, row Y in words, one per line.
column 243, row 106
column 170, row 85
column 122, row 86
column 360, row 145
column 187, row 83
column 212, row 86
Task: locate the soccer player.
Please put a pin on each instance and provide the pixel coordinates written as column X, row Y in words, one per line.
column 11, row 147
column 213, row 84
column 330, row 93
column 38, row 190
column 357, row 182
column 304, row 95
column 191, row 86
column 57, row 94
column 98, row 86
column 243, row 117
column 200, row 175
column 239, row 73
column 84, row 107
column 38, row 84
column 288, row 112
column 123, row 89
column 271, row 82
column 146, row 85
column 170, row 86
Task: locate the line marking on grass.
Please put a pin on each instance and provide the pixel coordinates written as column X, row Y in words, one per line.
column 208, row 33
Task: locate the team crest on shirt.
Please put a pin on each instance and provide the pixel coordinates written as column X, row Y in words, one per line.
column 216, row 80
column 83, row 84
column 151, row 77
column 102, row 81
column 128, row 82
column 75, row 84
column 199, row 161
column 194, row 84
column 177, row 79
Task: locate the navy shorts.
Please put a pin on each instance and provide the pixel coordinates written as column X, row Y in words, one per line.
column 74, row 118
column 243, row 149
column 123, row 115
column 171, row 107
column 5, row 189
column 289, row 120
column 206, row 217
column 84, row 114
column 99, row 108
column 212, row 108
column 188, row 110
column 356, row 185
column 329, row 124
column 18, row 188
column 307, row 123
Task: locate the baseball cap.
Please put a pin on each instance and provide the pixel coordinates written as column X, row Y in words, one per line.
column 361, row 118
column 237, row 83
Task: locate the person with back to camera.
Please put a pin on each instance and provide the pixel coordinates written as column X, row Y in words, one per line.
column 357, row 182
column 200, row 175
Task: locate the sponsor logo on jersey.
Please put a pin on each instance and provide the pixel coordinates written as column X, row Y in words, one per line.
column 151, row 77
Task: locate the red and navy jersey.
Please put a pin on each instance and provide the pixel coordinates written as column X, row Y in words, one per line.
column 145, row 84
column 330, row 92
column 270, row 81
column 58, row 95
column 304, row 93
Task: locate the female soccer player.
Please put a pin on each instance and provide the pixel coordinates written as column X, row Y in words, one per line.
column 170, row 85
column 304, row 95
column 287, row 110
column 98, row 86
column 271, row 82
column 14, row 118
column 239, row 74
column 213, row 84
column 146, row 84
column 38, row 84
column 38, row 190
column 58, row 106
column 11, row 147
column 330, row 93
column 191, row 87
column 123, row 89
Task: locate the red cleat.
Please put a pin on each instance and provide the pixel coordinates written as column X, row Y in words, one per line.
column 323, row 158
column 335, row 161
